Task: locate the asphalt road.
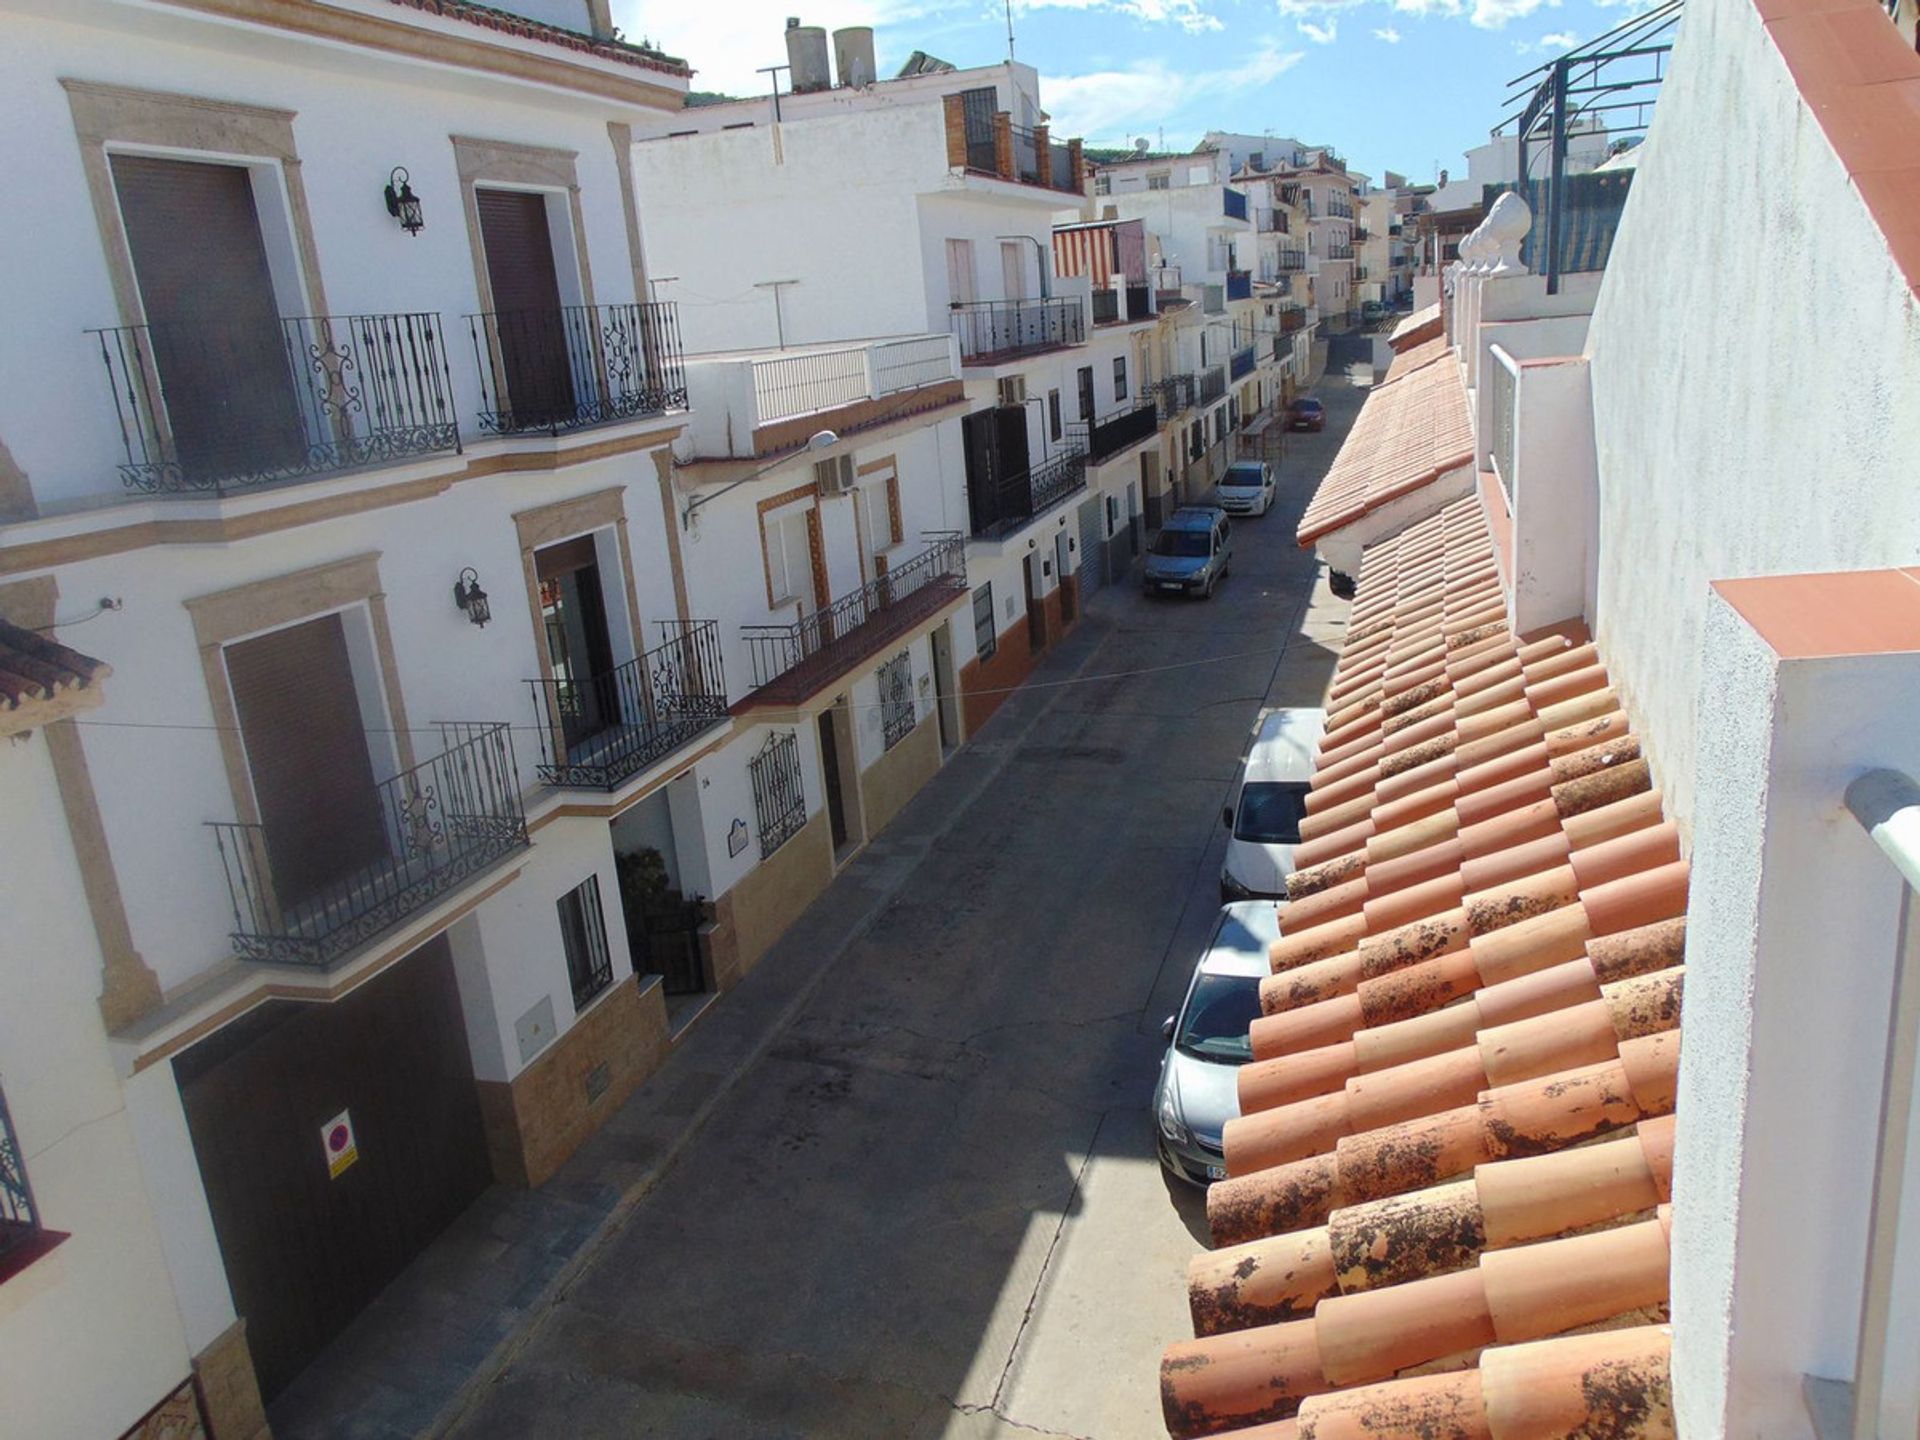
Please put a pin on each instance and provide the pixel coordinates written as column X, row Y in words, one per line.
column 931, row 1207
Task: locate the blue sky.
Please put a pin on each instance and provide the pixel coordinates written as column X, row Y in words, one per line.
column 1392, row 84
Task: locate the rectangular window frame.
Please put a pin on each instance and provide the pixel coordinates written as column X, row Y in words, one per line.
column 779, row 790
column 583, row 936
column 988, row 646
column 1119, row 377
column 898, row 713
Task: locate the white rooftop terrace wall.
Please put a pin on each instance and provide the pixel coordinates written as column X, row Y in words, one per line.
column 1756, row 375
column 1016, row 91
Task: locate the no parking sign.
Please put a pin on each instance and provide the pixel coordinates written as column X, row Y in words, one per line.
column 336, row 1139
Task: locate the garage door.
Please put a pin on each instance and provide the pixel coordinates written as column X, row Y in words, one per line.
column 306, row 1250
column 1093, row 546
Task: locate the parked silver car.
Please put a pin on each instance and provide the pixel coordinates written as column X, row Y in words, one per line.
column 1207, row 1042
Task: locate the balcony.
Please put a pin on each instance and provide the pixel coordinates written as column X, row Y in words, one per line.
column 1171, row 396
column 1107, row 438
column 1275, row 222
column 1292, row 260
column 1240, row 363
column 222, row 407
column 439, row 824
column 551, row 372
column 23, row 1238
column 1239, row 285
column 759, row 403
column 1213, row 386
column 792, row 662
column 1106, row 307
column 1292, row 320
column 597, row 734
column 1339, row 252
column 1361, row 234
column 1233, row 204
column 999, row 506
column 993, row 331
column 984, row 141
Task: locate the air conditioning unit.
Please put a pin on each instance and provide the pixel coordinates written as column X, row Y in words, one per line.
column 834, row 477
column 1013, row 389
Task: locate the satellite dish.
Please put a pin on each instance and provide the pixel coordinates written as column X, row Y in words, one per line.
column 1140, row 145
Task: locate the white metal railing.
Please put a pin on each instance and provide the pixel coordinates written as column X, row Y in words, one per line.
column 1887, row 806
column 787, row 385
column 1503, row 383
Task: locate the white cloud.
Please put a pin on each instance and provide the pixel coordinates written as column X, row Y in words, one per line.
column 1388, row 34
column 1321, row 34
column 1120, row 103
column 1495, row 14
column 1193, row 16
column 1559, row 40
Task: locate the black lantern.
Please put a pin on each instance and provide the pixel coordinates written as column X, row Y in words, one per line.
column 468, row 595
column 402, row 203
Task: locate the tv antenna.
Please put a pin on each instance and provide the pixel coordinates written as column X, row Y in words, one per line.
column 1009, row 6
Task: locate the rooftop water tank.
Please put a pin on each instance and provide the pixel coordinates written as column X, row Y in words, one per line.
column 853, row 54
column 807, row 56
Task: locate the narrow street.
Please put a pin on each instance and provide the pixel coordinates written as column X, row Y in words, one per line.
column 930, row 1206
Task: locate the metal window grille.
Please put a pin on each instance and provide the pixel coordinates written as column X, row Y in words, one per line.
column 986, row 638
column 583, row 931
column 19, row 1220
column 779, row 798
column 896, row 699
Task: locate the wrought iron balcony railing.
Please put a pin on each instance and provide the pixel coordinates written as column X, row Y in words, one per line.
column 1239, row 285
column 1213, row 385
column 991, row 330
column 1292, row 260
column 228, row 405
column 1241, row 362
column 1339, row 252
column 1000, row 507
column 1172, row 395
column 600, row 732
column 553, row 371
column 1108, row 437
column 433, row 826
column 20, row 1223
column 819, row 647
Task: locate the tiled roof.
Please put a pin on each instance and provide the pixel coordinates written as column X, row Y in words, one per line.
column 1418, row 327
column 1456, row 1133
column 526, row 28
column 39, row 678
column 1409, row 433
column 1415, row 356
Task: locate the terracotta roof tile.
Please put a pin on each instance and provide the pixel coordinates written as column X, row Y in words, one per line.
column 1456, row 1136
column 40, row 678
column 1410, row 432
column 1415, row 356
column 1417, row 328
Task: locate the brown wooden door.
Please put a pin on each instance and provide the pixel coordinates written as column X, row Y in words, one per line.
column 830, row 769
column 305, row 1252
column 573, row 610
column 306, row 748
column 526, row 306
column 216, row 337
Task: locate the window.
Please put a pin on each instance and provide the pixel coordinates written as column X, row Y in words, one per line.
column 1120, row 377
column 789, row 562
column 779, row 797
column 1085, row 377
column 1158, row 182
column 1270, row 812
column 986, row 638
column 1053, row 414
column 1013, row 269
column 896, row 699
column 584, row 933
column 1103, row 184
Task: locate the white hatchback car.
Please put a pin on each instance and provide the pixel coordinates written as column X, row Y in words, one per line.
column 1246, row 488
column 1263, row 822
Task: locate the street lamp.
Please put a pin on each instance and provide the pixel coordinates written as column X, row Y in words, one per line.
column 819, row 440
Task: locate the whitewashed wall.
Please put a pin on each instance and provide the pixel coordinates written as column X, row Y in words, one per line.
column 1756, row 374
column 90, row 1335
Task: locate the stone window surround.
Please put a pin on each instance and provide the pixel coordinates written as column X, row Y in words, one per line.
column 482, row 163
column 109, row 118
column 816, row 543
column 227, row 616
column 550, row 524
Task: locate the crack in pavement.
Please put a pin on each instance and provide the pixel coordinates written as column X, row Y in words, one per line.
column 968, row 1408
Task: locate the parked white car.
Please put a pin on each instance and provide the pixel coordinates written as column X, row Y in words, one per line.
column 1246, row 488
column 1263, row 822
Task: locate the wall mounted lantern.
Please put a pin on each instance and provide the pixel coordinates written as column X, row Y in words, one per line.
column 402, row 203
column 468, row 595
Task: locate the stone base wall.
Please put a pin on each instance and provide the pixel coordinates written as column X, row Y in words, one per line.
column 896, row 777
column 229, row 1393
column 539, row 1118
column 769, row 898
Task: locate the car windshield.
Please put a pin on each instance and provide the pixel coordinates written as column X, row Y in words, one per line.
column 1243, row 476
column 1182, row 544
column 1270, row 812
column 1219, row 1013
column 1307, row 407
